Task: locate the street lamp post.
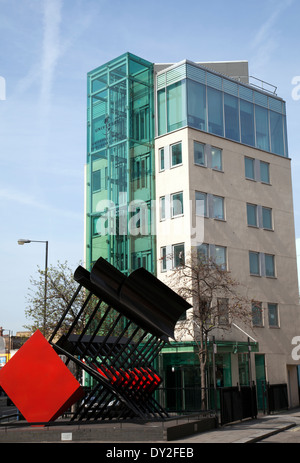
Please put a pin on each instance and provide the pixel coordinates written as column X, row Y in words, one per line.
column 21, row 242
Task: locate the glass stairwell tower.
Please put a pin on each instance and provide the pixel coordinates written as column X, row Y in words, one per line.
column 120, row 164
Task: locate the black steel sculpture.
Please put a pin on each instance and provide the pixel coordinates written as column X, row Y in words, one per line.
column 132, row 319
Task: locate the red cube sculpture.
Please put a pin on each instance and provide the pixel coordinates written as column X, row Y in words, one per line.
column 38, row 382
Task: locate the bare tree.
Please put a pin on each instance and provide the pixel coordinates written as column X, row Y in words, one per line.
column 60, row 290
column 216, row 302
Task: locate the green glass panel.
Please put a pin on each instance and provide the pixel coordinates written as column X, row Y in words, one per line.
column 231, row 111
column 161, row 109
column 262, row 128
column 215, row 111
column 100, row 82
column 176, row 106
column 276, row 128
column 121, row 168
column 196, row 97
column 217, row 105
column 247, row 123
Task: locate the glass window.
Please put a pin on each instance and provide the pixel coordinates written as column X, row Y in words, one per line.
column 273, row 315
column 223, row 312
column 231, row 110
column 178, row 255
column 216, row 158
column 95, row 228
column 257, row 314
column 202, row 252
column 201, row 204
column 254, row 263
column 215, row 111
column 218, row 207
column 270, row 265
column 161, row 104
column 264, row 172
column 276, row 126
column 96, row 180
column 267, row 218
column 162, row 207
column 176, row 155
column 252, row 215
column 163, row 256
column 177, row 204
column 161, row 159
column 247, row 122
column 262, row 128
column 249, row 168
column 199, row 155
column 220, row 257
column 176, row 108
column 196, row 105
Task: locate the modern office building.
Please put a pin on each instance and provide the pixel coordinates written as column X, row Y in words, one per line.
column 163, row 138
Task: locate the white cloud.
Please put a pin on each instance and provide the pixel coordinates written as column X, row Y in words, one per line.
column 265, row 40
column 51, row 48
column 28, row 200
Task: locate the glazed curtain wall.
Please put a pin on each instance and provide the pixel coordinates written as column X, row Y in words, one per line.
column 191, row 96
column 120, row 164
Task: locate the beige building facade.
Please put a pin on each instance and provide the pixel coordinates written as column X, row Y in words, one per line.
column 246, row 222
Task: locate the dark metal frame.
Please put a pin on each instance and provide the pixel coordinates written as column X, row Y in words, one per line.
column 120, row 360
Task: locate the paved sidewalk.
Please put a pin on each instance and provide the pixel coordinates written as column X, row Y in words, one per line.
column 248, row 431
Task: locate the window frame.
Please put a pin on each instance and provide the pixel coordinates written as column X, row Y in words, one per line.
column 264, row 208
column 256, row 215
column 221, row 159
column 223, row 207
column 161, row 154
column 276, row 315
column 260, row 172
column 204, row 154
column 162, row 208
column 171, row 154
column 258, row 264
column 253, row 162
column 223, row 315
column 208, row 254
column 96, row 178
column 205, row 203
column 257, row 305
column 173, row 254
column 224, row 266
column 163, row 257
column 273, row 265
column 172, row 205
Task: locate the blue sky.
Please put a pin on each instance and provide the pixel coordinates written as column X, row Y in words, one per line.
column 46, row 49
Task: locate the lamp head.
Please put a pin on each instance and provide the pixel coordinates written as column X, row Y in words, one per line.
column 21, row 241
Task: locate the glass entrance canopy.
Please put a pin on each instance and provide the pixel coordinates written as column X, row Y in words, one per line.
column 189, row 94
